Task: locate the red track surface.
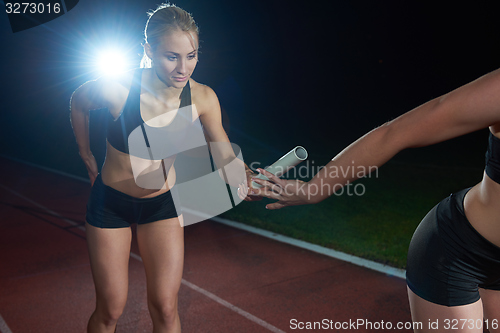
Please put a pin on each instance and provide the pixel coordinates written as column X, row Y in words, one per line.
column 46, row 283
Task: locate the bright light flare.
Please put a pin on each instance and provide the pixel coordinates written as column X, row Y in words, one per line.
column 112, row 62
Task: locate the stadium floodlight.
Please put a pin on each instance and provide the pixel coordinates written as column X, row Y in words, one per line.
column 112, row 62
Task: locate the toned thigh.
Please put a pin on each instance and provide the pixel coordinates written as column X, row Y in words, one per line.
column 431, row 317
column 161, row 245
column 491, row 305
column 109, row 251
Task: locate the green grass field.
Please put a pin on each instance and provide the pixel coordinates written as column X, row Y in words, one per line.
column 377, row 225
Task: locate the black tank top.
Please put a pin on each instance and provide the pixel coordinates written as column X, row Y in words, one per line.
column 493, row 159
column 118, row 130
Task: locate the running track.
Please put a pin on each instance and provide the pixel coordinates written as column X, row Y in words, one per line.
column 234, row 281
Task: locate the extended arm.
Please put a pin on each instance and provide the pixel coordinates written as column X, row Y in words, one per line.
column 85, row 98
column 220, row 147
column 471, row 107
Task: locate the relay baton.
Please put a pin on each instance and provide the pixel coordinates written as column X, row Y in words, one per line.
column 281, row 166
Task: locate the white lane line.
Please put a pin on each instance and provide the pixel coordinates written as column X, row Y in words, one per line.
column 389, row 270
column 232, row 307
column 51, row 212
column 223, row 302
column 3, row 326
column 186, row 283
column 37, row 166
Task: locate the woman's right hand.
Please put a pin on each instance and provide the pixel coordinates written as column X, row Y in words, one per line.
column 91, row 165
column 288, row 192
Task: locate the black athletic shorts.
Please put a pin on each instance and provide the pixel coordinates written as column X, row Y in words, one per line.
column 110, row 208
column 448, row 259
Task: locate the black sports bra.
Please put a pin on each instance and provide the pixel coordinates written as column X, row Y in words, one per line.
column 493, row 158
column 119, row 130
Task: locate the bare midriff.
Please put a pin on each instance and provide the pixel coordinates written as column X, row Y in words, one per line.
column 117, row 173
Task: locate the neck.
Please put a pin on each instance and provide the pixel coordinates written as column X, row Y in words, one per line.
column 157, row 87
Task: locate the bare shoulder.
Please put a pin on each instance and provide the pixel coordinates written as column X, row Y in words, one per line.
column 105, row 92
column 115, row 89
column 203, row 97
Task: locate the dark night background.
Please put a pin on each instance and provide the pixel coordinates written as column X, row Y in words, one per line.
column 287, row 73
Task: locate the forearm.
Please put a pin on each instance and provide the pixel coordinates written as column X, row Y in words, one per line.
column 224, row 156
column 80, row 123
column 236, row 172
column 461, row 111
column 248, row 171
column 359, row 159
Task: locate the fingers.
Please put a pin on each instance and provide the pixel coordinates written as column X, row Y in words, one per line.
column 266, row 185
column 91, row 169
column 243, row 191
column 269, row 175
column 273, row 188
column 244, row 194
column 265, row 192
column 253, row 198
column 275, row 205
column 92, row 180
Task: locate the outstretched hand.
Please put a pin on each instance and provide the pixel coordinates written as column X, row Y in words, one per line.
column 288, row 192
column 245, row 189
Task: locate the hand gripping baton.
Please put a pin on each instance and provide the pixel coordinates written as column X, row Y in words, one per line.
column 281, row 166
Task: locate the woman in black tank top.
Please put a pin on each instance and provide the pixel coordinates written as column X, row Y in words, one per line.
column 118, row 199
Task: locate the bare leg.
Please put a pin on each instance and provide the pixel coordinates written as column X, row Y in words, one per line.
column 109, row 251
column 491, row 304
column 161, row 245
column 462, row 319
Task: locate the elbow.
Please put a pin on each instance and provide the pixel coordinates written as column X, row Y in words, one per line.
column 84, row 97
column 391, row 136
column 419, row 127
column 75, row 100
